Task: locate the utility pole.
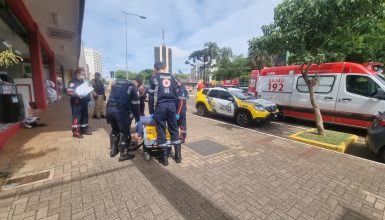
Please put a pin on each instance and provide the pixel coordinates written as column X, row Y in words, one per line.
column 139, row 16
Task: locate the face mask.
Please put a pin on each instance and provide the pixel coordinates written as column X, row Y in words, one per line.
column 82, row 77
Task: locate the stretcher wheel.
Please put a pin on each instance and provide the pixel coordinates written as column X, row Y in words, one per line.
column 146, row 155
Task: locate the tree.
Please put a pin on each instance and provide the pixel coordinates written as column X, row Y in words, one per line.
column 231, row 66
column 316, row 31
column 145, row 75
column 8, row 58
column 205, row 56
column 121, row 74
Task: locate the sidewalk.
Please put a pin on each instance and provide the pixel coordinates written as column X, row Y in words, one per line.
column 255, row 176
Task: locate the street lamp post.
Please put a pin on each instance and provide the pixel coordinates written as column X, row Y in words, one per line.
column 139, row 16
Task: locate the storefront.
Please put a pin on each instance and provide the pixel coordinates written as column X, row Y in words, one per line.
column 47, row 35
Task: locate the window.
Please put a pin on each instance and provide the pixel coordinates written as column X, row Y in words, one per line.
column 325, row 85
column 361, row 85
column 214, row 93
column 225, row 95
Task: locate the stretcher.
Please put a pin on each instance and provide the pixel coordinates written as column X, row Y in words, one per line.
column 150, row 147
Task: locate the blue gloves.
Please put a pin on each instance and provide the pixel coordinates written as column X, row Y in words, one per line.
column 152, row 116
column 177, row 117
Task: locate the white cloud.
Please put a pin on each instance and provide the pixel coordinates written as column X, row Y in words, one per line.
column 179, row 52
column 188, row 23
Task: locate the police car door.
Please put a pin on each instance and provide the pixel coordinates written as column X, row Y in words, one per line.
column 225, row 105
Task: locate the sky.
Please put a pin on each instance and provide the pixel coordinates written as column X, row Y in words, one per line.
column 188, row 25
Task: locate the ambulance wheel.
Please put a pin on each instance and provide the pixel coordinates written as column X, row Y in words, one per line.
column 201, row 109
column 147, row 156
column 243, row 118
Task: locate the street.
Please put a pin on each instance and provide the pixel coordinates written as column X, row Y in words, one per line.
column 285, row 127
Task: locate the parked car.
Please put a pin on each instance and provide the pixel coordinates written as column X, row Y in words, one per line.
column 234, row 103
column 375, row 138
column 347, row 93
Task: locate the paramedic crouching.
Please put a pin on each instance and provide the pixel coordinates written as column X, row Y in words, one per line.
column 165, row 98
column 122, row 101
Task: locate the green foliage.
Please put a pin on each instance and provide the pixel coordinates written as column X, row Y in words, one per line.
column 316, row 31
column 121, row 74
column 230, row 66
column 143, row 75
column 208, row 54
column 8, row 58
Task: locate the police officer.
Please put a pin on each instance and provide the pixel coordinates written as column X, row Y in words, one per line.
column 181, row 117
column 79, row 106
column 122, row 102
column 163, row 104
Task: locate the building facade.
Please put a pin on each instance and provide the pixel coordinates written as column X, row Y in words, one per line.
column 47, row 35
column 164, row 54
column 93, row 61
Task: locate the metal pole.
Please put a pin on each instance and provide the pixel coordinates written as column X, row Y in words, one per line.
column 126, row 50
column 204, row 70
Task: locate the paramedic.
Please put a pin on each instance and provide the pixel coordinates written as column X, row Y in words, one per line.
column 122, row 102
column 163, row 104
column 79, row 105
column 181, row 116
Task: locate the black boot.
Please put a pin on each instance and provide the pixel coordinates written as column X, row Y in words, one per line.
column 85, row 131
column 178, row 153
column 114, row 141
column 123, row 144
column 164, row 156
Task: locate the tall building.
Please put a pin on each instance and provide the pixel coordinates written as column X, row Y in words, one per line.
column 93, row 61
column 164, row 54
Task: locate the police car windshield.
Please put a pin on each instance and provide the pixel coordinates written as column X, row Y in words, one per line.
column 240, row 95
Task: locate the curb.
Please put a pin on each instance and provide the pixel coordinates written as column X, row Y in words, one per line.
column 339, row 148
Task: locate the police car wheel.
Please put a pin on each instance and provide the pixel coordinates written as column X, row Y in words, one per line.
column 243, row 118
column 147, row 156
column 201, row 109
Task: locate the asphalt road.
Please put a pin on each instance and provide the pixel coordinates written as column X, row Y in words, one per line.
column 285, row 127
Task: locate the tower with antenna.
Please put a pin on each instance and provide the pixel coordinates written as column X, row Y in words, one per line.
column 164, row 53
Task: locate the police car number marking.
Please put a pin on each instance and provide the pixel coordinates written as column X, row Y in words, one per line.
column 225, row 107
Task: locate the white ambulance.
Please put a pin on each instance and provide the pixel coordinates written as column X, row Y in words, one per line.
column 347, row 93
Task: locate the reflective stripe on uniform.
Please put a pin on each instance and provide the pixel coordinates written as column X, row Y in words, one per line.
column 84, row 125
column 156, row 91
column 135, row 102
column 176, row 142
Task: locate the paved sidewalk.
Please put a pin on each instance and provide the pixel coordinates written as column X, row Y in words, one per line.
column 257, row 177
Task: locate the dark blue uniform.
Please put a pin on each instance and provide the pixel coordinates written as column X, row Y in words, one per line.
column 182, row 109
column 123, row 101
column 163, row 103
column 79, row 108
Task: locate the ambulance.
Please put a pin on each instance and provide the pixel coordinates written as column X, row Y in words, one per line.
column 347, row 93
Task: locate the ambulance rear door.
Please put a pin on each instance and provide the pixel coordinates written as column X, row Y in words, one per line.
column 276, row 88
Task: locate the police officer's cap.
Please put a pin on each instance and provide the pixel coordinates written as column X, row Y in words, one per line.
column 158, row 65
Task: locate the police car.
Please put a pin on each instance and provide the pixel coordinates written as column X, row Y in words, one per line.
column 233, row 102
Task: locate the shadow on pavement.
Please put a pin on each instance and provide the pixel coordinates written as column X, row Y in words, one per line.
column 6, row 195
column 186, row 200
column 350, row 214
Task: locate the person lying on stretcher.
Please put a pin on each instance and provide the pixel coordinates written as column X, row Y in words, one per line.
column 144, row 120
